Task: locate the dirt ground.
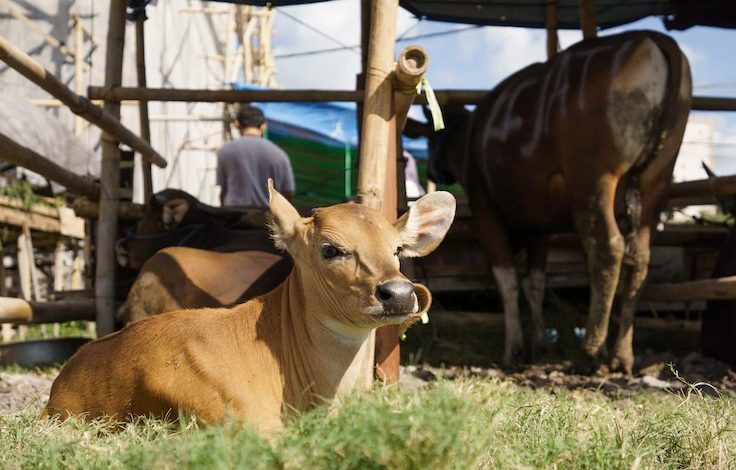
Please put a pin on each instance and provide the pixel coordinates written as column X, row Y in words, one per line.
column 18, row 390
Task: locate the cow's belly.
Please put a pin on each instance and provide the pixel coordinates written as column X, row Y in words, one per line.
column 536, row 201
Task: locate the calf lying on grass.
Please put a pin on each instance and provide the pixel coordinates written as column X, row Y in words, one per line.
column 303, row 343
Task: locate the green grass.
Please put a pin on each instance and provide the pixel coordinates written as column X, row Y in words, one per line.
column 462, row 424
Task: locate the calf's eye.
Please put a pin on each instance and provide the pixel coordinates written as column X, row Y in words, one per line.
column 330, row 252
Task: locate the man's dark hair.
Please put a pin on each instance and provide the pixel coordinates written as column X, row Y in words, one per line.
column 250, row 116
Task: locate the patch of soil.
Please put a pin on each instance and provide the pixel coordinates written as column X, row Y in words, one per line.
column 17, row 391
column 656, row 371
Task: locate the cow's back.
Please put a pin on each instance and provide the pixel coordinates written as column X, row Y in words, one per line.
column 595, row 108
column 180, row 277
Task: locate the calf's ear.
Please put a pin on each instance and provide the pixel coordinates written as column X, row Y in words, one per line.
column 282, row 220
column 426, row 224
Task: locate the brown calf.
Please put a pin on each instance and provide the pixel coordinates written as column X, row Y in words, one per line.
column 302, row 344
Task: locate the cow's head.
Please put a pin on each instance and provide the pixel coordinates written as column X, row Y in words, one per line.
column 348, row 254
column 445, row 145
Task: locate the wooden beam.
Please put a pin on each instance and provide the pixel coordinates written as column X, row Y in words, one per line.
column 79, row 105
column 588, row 18
column 127, row 211
column 22, row 312
column 450, row 96
column 13, row 152
column 550, row 22
column 107, row 226
column 140, row 62
column 704, row 289
column 711, row 187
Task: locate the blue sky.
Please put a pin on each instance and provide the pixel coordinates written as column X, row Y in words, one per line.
column 479, row 58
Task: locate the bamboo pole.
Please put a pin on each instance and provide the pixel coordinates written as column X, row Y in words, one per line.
column 22, row 312
column 79, row 105
column 78, row 69
column 587, row 18
column 377, row 111
column 127, row 211
column 13, row 152
column 140, row 61
column 110, row 178
column 550, row 22
column 444, row 97
column 377, row 159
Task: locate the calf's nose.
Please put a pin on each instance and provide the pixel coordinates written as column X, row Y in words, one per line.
column 396, row 296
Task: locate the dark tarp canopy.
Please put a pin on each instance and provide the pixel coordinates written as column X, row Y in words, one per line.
column 676, row 14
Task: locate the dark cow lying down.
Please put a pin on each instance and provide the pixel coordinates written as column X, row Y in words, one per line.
column 587, row 140
column 176, row 218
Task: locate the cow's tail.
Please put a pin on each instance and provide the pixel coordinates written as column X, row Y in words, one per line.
column 668, row 131
column 678, row 98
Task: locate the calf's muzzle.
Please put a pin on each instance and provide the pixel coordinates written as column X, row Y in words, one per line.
column 397, row 297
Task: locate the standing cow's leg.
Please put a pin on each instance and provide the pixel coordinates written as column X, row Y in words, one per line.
column 644, row 201
column 533, row 286
column 634, row 272
column 494, row 241
column 604, row 248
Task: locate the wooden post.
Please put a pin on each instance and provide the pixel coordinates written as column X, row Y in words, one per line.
column 140, row 61
column 377, row 169
column 550, row 22
column 79, row 105
column 7, row 328
column 59, row 271
column 25, row 267
column 107, row 226
column 587, row 18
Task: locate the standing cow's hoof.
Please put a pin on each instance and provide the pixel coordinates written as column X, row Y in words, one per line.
column 539, row 346
column 513, row 357
column 623, row 363
column 586, row 364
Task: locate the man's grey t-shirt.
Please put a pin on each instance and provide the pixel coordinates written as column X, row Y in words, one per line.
column 244, row 166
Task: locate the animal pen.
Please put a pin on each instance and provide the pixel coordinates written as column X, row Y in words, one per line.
column 384, row 94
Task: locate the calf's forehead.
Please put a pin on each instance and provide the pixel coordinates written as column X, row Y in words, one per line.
column 355, row 224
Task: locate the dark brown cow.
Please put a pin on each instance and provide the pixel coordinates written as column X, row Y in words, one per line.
column 587, row 140
column 176, row 218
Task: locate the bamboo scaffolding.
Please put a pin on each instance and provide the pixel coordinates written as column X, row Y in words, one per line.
column 79, row 105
